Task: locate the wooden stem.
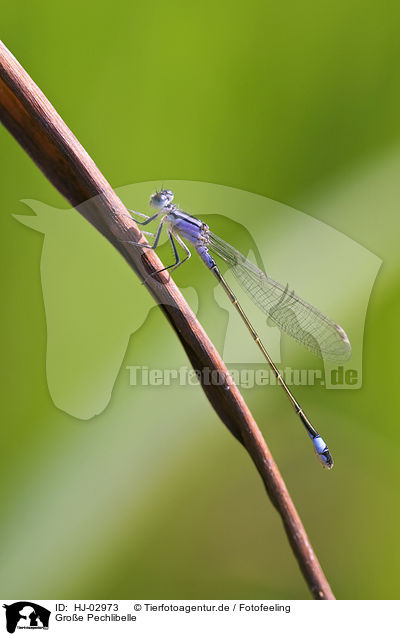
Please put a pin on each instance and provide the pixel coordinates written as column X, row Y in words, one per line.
column 33, row 121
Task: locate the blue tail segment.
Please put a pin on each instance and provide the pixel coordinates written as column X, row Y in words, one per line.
column 322, row 451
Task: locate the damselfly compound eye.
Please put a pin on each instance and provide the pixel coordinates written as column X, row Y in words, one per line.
column 160, row 199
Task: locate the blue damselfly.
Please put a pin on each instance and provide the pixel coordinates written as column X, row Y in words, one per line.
column 291, row 314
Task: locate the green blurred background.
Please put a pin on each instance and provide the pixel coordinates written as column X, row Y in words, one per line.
column 298, row 102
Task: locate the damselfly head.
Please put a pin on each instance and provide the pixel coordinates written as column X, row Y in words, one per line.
column 160, row 200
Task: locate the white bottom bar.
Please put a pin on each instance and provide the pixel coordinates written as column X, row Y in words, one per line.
column 146, row 617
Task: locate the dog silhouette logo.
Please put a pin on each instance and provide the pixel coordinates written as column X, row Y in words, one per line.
column 26, row 615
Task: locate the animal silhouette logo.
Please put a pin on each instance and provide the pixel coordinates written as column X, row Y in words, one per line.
column 26, row 615
column 93, row 304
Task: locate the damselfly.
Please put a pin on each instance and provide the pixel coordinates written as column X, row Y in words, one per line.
column 291, row 314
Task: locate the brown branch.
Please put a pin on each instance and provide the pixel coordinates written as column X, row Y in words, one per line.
column 30, row 117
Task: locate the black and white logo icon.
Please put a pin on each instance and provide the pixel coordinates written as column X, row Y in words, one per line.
column 26, row 615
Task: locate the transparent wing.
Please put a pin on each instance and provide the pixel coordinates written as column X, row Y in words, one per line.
column 291, row 314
